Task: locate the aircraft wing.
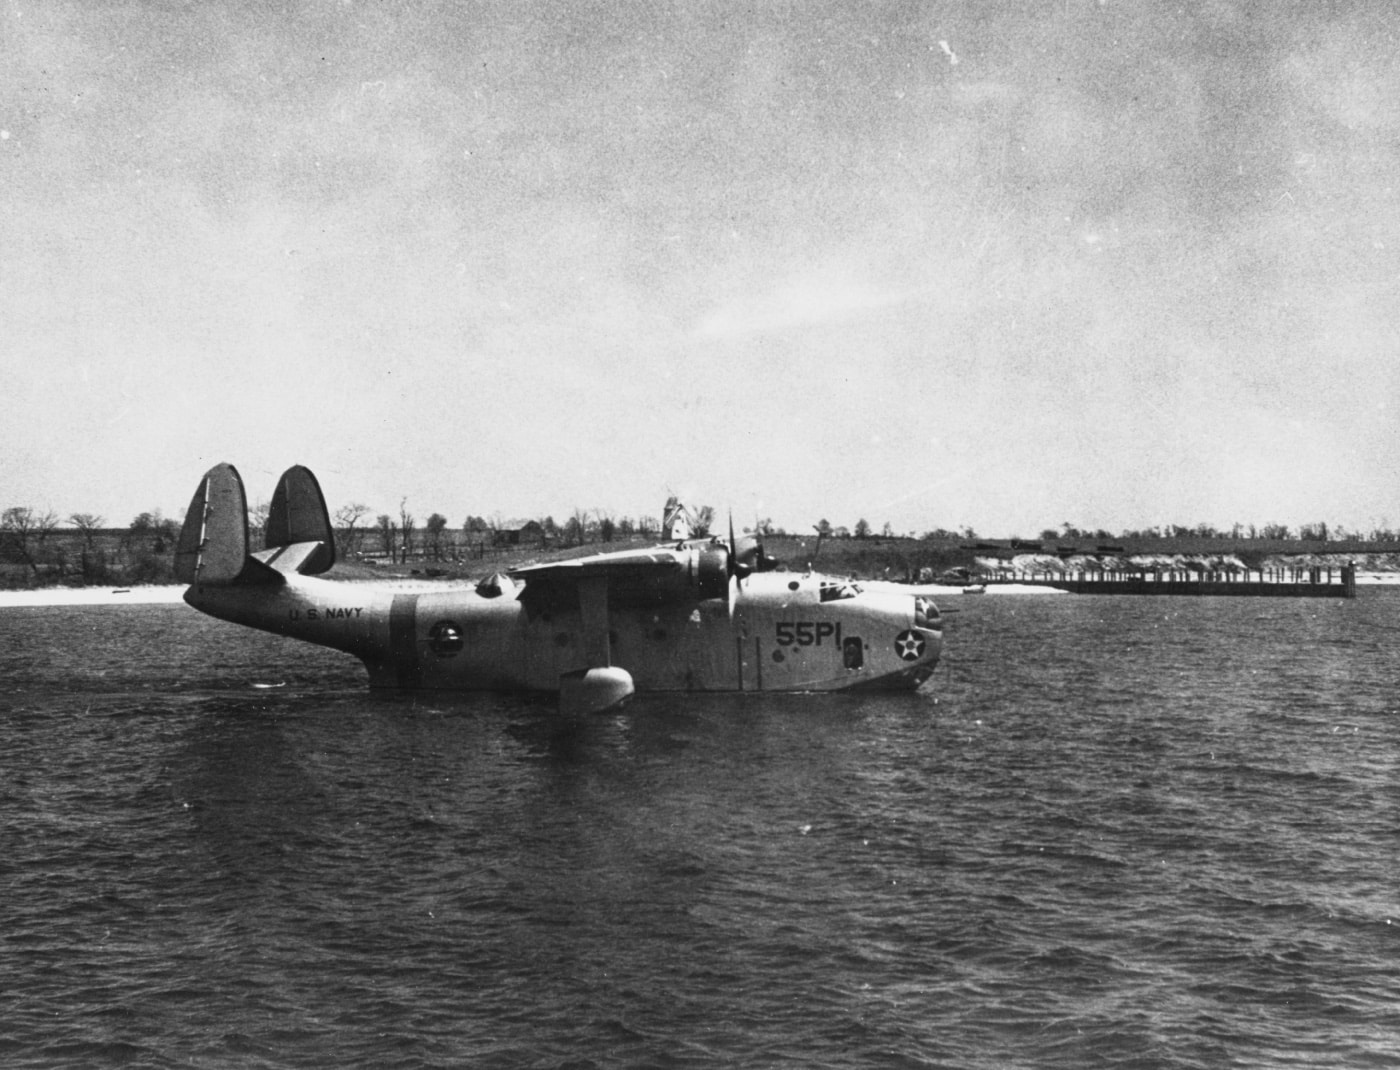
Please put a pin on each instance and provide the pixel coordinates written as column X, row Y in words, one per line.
column 595, row 585
column 625, row 564
column 630, row 578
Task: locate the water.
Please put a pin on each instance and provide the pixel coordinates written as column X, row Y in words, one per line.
column 1111, row 832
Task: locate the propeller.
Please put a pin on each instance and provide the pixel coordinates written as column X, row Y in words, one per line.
column 747, row 556
column 737, row 568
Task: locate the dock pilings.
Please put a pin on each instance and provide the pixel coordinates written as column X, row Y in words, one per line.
column 1289, row 582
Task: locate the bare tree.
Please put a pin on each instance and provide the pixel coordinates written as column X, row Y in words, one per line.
column 88, row 524
column 704, row 519
column 26, row 531
column 437, row 524
column 140, row 527
column 257, row 523
column 346, row 517
column 405, row 528
column 604, row 524
column 167, row 533
column 385, row 525
column 474, row 530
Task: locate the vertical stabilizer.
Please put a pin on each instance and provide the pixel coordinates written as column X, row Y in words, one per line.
column 298, row 515
column 213, row 546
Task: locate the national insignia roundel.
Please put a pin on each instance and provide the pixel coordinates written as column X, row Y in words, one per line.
column 909, row 645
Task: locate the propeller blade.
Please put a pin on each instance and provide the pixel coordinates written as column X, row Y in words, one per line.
column 762, row 562
column 749, row 557
column 733, row 559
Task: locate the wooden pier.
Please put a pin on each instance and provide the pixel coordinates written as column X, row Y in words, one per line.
column 1255, row 583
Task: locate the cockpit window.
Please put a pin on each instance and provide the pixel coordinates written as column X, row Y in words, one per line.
column 832, row 592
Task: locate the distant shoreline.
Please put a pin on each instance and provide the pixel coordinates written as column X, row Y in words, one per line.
column 171, row 595
column 91, row 596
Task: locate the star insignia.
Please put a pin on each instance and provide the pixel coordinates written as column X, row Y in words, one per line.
column 909, row 645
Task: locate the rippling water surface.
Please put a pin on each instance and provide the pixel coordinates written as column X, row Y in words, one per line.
column 1139, row 832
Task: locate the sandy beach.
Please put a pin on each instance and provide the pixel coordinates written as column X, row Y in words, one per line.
column 91, row 596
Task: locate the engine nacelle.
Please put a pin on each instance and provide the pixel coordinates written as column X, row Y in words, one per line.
column 700, row 572
column 710, row 572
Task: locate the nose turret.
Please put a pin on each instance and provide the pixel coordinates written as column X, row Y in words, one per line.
column 926, row 614
column 924, row 643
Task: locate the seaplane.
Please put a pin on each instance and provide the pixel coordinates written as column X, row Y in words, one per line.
column 691, row 615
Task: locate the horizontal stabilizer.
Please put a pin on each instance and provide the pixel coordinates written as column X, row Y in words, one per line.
column 213, row 546
column 298, row 520
column 303, row 557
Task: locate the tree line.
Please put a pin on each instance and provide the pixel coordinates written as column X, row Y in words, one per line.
column 399, row 536
column 142, row 551
column 33, row 539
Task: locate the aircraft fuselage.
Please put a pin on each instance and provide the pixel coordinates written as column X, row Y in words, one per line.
column 775, row 631
column 698, row 615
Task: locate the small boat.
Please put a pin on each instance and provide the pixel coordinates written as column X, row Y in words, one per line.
column 975, row 588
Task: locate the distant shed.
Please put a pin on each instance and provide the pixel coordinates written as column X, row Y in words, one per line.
column 519, row 533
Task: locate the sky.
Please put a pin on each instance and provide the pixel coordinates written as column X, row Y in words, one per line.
column 933, row 264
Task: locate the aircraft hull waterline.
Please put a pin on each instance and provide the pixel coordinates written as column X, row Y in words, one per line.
column 773, row 634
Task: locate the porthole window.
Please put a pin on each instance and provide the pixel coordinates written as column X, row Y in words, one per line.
column 445, row 639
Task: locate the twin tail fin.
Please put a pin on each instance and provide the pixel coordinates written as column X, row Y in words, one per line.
column 214, row 545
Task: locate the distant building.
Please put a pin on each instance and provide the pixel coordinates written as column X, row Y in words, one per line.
column 676, row 521
column 519, row 533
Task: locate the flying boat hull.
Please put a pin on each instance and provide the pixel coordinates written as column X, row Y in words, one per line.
column 680, row 618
